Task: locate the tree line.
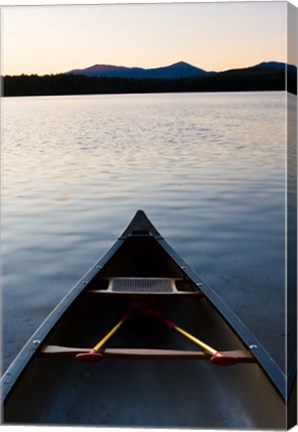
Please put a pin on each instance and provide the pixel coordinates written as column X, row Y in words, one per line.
column 230, row 81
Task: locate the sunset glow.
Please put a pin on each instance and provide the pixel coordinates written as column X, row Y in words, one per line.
column 211, row 36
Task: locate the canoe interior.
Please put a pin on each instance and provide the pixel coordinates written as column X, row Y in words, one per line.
column 143, row 393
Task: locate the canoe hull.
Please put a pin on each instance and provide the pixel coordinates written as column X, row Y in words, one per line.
column 148, row 389
column 144, row 393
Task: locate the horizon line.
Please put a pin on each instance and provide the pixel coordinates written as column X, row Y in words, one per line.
column 150, row 68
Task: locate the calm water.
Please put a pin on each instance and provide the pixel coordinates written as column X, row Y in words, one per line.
column 209, row 170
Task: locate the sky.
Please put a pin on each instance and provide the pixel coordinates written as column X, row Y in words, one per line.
column 213, row 36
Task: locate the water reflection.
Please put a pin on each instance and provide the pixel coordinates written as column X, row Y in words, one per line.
column 209, row 169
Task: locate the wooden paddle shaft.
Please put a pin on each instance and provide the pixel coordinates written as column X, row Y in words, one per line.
column 209, row 350
column 102, row 342
column 217, row 357
column 196, row 341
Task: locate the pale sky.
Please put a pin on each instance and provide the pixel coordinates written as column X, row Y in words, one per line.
column 212, row 36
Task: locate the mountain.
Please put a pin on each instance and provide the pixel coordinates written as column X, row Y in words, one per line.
column 276, row 66
column 174, row 71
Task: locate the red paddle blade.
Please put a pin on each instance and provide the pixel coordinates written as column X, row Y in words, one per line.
column 89, row 357
column 220, row 359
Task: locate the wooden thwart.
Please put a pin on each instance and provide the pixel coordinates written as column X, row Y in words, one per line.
column 141, row 353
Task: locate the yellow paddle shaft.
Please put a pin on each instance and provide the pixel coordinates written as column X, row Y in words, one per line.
column 108, row 336
column 196, row 341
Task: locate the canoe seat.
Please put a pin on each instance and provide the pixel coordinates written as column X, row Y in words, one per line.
column 142, row 285
column 146, row 286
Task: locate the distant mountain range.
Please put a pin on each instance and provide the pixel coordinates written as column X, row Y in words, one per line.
column 179, row 77
column 174, row 71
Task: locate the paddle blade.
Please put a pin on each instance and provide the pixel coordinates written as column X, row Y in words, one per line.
column 220, row 359
column 89, row 357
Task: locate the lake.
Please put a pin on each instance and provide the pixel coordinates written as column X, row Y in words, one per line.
column 208, row 169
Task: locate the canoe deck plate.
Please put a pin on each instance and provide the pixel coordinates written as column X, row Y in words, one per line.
column 144, row 285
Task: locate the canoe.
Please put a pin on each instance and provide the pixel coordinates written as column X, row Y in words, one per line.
column 142, row 341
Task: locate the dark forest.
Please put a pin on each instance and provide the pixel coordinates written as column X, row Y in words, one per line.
column 231, row 81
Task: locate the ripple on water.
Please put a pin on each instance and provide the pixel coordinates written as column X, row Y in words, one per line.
column 208, row 169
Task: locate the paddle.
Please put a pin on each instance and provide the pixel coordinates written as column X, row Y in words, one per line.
column 94, row 354
column 216, row 357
